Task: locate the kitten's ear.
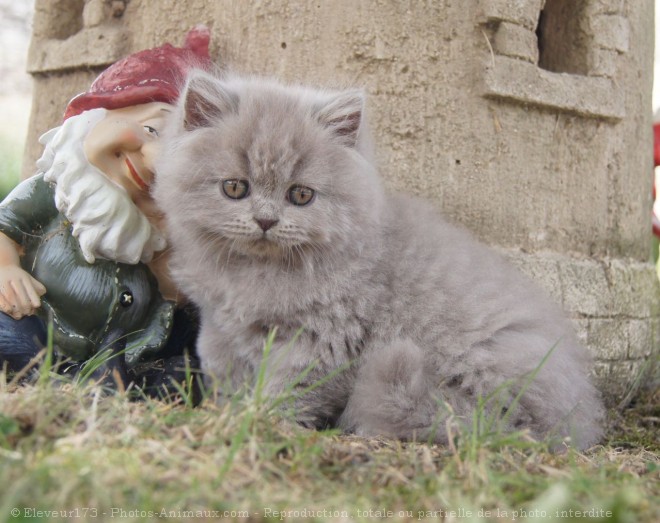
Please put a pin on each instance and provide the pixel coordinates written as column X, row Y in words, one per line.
column 342, row 114
column 206, row 99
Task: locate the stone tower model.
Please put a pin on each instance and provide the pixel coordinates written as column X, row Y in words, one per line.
column 527, row 121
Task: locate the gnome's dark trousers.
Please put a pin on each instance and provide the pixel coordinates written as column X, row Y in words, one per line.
column 20, row 340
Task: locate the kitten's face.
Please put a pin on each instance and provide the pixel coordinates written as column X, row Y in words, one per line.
column 269, row 190
column 271, row 176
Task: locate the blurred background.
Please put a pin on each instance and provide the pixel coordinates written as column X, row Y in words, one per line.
column 656, row 82
column 15, row 86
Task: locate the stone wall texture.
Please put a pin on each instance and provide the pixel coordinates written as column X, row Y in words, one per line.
column 527, row 121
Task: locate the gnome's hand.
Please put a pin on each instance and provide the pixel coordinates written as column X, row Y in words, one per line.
column 19, row 292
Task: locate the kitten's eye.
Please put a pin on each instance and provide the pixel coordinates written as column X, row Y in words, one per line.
column 150, row 130
column 300, row 195
column 235, row 189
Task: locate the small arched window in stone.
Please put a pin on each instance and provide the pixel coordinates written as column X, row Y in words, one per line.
column 564, row 37
column 560, row 55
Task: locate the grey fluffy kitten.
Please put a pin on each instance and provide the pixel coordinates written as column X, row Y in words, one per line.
column 278, row 218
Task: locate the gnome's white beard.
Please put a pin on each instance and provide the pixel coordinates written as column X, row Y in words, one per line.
column 105, row 220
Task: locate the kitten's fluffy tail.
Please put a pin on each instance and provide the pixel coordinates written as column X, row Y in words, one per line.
column 393, row 396
column 398, row 394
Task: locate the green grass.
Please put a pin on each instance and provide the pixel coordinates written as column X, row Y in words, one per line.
column 94, row 456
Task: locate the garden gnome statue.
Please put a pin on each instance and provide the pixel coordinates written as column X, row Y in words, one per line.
column 82, row 243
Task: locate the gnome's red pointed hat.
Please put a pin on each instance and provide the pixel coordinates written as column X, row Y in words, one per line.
column 152, row 75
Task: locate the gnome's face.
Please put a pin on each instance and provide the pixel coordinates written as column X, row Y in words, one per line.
column 124, row 145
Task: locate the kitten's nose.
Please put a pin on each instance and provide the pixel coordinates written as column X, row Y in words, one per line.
column 265, row 224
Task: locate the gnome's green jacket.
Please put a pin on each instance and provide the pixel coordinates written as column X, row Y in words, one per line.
column 86, row 301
